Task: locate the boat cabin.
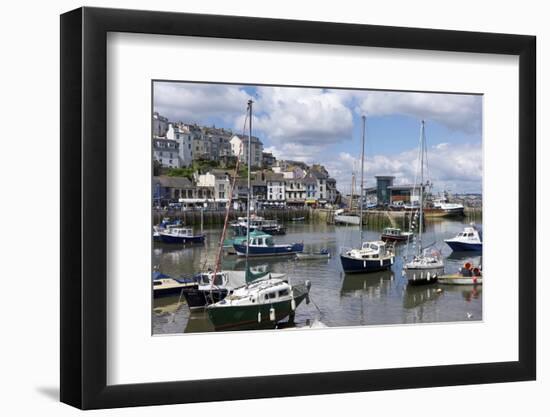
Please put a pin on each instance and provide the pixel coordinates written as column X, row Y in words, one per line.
column 220, row 279
column 375, row 248
column 392, row 231
column 264, row 241
column 469, row 234
column 180, row 231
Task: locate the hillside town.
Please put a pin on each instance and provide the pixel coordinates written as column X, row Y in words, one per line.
column 194, row 167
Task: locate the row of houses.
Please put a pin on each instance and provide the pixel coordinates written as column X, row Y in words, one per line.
column 177, row 145
column 315, row 188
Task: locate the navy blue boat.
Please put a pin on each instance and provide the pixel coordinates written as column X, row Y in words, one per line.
column 371, row 257
column 264, row 246
column 470, row 239
column 180, row 235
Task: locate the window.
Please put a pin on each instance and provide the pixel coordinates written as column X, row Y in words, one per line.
column 283, row 293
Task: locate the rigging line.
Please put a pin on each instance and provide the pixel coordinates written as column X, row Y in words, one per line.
column 228, row 208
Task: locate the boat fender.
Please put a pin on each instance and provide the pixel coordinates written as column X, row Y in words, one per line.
column 429, row 276
column 391, row 260
column 293, row 304
column 272, row 314
column 259, row 316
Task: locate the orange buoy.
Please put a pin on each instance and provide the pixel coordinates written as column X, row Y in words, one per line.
column 467, row 265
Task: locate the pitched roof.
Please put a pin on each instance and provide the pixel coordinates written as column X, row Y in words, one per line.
column 253, row 139
column 173, row 182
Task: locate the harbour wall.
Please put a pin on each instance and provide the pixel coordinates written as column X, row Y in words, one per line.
column 374, row 218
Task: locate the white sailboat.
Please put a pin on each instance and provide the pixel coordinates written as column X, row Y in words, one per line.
column 370, row 256
column 259, row 303
column 426, row 264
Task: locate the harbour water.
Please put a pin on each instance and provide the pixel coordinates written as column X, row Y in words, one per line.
column 337, row 299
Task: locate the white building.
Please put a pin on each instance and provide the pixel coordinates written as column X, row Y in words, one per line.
column 181, row 135
column 295, row 191
column 166, row 152
column 219, row 181
column 276, row 187
column 239, row 147
column 160, row 125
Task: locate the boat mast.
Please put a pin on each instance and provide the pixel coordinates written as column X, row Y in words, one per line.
column 362, row 182
column 249, row 182
column 421, row 219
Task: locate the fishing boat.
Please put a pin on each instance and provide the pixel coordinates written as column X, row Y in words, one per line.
column 470, row 239
column 447, row 209
column 265, row 246
column 164, row 285
column 322, row 254
column 228, row 243
column 215, row 286
column 370, row 256
column 468, row 274
column 257, row 223
column 260, row 304
column 180, row 235
column 166, row 223
column 393, row 234
column 426, row 264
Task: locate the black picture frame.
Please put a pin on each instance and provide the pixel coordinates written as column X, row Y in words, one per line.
column 84, row 207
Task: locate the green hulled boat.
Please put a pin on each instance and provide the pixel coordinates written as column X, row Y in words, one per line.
column 259, row 305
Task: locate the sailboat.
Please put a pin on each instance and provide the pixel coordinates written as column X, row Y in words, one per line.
column 370, row 256
column 426, row 264
column 260, row 303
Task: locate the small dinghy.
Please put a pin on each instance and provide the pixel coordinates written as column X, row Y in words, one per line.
column 322, row 254
column 164, row 285
column 467, row 275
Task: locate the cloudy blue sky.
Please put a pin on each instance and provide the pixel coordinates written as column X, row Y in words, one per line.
column 324, row 126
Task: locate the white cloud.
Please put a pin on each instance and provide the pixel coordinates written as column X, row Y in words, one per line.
column 189, row 102
column 459, row 112
column 456, row 168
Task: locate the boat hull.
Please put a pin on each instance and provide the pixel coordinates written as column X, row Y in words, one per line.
column 421, row 276
column 464, row 246
column 167, row 292
column 391, row 238
column 343, row 219
column 197, row 298
column 170, row 239
column 257, row 251
column 353, row 265
column 459, row 280
column 247, row 317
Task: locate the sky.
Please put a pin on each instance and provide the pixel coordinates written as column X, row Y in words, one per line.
column 323, row 125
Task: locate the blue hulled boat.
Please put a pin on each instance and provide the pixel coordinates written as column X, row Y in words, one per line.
column 263, row 246
column 180, row 235
column 371, row 257
column 470, row 239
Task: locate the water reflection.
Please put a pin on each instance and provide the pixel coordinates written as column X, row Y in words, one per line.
column 337, row 299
